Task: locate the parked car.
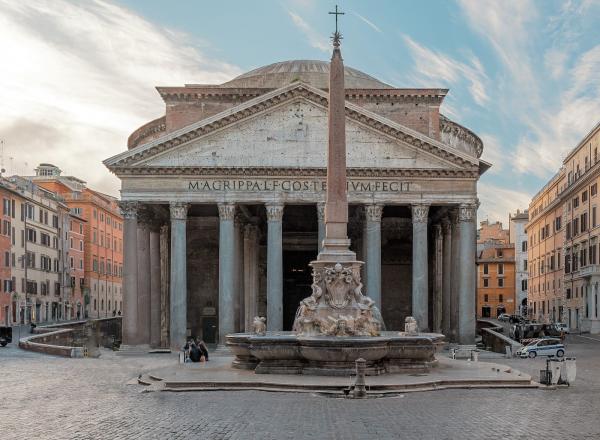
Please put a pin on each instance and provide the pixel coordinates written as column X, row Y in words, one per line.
column 561, row 327
column 542, row 347
column 503, row 317
column 516, row 319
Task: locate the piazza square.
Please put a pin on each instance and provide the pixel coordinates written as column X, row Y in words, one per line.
column 392, row 233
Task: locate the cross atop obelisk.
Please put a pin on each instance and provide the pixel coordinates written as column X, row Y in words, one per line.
column 336, row 245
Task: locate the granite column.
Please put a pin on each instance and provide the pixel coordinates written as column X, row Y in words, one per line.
column 178, row 278
column 274, row 267
column 155, row 286
column 420, row 291
column 467, row 274
column 251, row 275
column 226, row 271
column 372, row 238
column 130, row 278
column 446, row 275
column 143, row 249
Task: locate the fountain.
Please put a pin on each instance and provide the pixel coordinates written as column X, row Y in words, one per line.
column 337, row 324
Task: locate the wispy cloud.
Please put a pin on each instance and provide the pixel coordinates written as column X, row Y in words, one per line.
column 436, row 68
column 494, row 153
column 315, row 39
column 81, row 78
column 367, row 21
column 497, row 202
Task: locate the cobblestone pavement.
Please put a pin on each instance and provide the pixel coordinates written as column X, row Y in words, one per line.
column 46, row 397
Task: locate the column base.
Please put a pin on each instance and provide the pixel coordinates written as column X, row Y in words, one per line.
column 133, row 350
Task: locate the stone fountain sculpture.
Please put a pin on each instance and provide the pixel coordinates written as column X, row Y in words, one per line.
column 337, row 324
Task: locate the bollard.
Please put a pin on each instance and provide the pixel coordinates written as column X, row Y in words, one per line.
column 360, row 390
column 508, row 349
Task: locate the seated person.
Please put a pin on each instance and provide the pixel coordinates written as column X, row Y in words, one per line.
column 203, row 348
column 195, row 353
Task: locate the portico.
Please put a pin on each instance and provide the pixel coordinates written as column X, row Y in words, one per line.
column 229, row 209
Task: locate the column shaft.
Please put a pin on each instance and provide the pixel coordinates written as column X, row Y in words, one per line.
column 165, row 297
column 143, row 248
column 238, row 293
column 274, row 268
column 226, row 271
column 130, row 310
column 446, row 275
column 155, row 287
column 251, row 275
column 321, row 225
column 420, row 292
column 437, row 286
column 455, row 276
column 467, row 274
column 178, row 281
column 372, row 237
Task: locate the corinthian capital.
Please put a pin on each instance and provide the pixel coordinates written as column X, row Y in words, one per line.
column 226, row 211
column 128, row 209
column 274, row 212
column 420, row 213
column 373, row 212
column 179, row 210
column 467, row 212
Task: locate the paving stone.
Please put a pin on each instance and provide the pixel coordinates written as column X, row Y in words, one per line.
column 47, row 397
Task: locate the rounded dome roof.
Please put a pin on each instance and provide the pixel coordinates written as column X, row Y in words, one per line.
column 313, row 72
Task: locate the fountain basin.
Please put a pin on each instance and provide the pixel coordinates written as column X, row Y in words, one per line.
column 288, row 353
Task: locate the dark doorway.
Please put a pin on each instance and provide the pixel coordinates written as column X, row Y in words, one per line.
column 209, row 329
column 297, row 280
column 500, row 310
column 486, row 312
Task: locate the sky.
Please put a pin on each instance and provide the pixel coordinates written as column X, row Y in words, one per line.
column 77, row 77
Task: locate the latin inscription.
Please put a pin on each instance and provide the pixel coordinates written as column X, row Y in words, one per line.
column 295, row 185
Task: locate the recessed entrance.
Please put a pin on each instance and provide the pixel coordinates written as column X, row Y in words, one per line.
column 296, row 283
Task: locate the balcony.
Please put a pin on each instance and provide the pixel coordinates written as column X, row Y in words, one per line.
column 586, row 271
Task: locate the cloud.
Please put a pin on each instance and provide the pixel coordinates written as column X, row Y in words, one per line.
column 368, row 22
column 446, row 71
column 493, row 153
column 561, row 127
column 81, row 78
column 497, row 202
column 315, row 39
column 555, row 62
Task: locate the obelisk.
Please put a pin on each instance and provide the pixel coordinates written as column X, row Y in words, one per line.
column 336, row 246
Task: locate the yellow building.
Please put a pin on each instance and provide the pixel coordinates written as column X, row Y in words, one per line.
column 563, row 233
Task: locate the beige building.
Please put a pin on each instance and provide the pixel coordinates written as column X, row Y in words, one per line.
column 563, row 232
column 36, row 254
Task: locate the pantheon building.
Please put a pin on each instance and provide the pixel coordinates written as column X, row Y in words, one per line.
column 223, row 202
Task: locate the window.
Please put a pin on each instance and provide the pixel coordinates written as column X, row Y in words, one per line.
column 45, row 239
column 584, row 221
column 500, row 298
column 500, row 269
column 557, row 223
column 593, row 189
column 72, row 262
column 568, row 231
column 486, row 282
column 567, row 263
column 81, row 245
column 76, row 211
column 485, row 298
column 525, row 265
column 575, row 202
column 46, row 263
column 575, row 227
column 568, row 293
column 80, row 264
column 594, row 223
column 485, row 268
column 524, row 285
column 552, row 262
column 31, row 235
column 592, row 254
column 499, row 253
column 500, row 282
column 584, row 196
column 6, row 207
column 81, row 228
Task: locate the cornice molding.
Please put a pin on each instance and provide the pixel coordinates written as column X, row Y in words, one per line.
column 303, row 172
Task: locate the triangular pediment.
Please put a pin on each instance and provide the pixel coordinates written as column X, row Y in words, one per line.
column 287, row 128
column 293, row 134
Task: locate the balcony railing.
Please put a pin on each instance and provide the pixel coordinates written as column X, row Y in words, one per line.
column 587, row 271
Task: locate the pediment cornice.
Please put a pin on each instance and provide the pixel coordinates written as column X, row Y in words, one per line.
column 295, row 172
column 274, row 98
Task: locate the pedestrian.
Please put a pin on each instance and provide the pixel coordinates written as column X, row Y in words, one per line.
column 203, row 348
column 195, row 353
